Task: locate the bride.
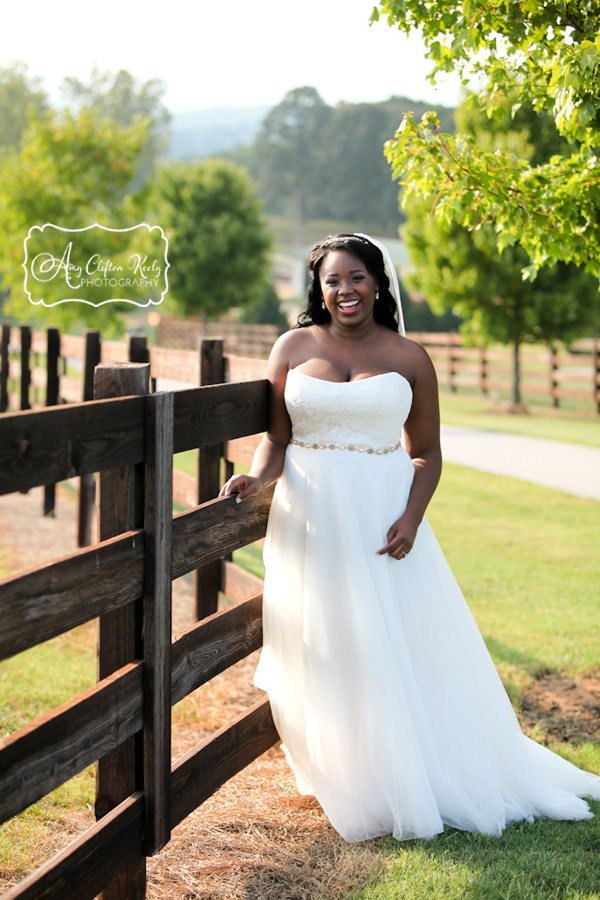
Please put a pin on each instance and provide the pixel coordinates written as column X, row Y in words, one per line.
column 388, row 704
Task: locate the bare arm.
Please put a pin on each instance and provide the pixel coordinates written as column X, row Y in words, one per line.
column 422, row 433
column 267, row 463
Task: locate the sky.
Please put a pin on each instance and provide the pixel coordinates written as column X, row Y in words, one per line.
column 222, row 53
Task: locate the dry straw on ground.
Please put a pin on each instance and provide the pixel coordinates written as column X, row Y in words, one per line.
column 256, row 837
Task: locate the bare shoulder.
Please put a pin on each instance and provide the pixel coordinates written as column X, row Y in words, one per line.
column 415, row 362
column 290, row 347
column 418, row 353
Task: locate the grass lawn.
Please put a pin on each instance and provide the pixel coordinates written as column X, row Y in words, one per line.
column 476, row 411
column 526, row 557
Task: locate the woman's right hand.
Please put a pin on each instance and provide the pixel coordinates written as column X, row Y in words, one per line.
column 241, row 485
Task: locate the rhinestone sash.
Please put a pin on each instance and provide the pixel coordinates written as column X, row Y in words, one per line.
column 352, row 447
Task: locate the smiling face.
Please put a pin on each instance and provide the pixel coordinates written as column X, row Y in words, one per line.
column 348, row 288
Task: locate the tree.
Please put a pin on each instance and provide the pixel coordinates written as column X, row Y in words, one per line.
column 265, row 311
column 545, row 54
column 464, row 270
column 72, row 171
column 332, row 156
column 218, row 242
column 287, row 147
column 21, row 99
column 121, row 98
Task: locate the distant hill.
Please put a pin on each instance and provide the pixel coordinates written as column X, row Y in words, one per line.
column 206, row 132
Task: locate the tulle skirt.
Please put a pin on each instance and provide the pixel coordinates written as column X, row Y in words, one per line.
column 388, row 704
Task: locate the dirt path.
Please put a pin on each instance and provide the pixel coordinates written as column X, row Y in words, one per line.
column 256, row 838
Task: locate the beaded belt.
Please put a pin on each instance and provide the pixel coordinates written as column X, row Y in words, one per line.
column 378, row 450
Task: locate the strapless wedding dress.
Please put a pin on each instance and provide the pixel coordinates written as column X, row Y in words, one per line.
column 388, row 704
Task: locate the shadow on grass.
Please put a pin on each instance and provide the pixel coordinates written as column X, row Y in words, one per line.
column 545, row 860
column 506, row 654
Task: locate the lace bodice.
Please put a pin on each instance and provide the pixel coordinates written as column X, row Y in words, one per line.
column 369, row 412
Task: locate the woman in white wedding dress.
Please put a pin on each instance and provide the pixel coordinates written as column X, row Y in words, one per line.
column 388, row 704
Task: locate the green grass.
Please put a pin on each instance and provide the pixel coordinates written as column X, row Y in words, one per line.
column 526, row 558
column 476, row 411
column 540, row 861
column 31, row 684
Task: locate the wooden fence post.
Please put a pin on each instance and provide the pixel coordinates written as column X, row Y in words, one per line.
column 120, row 509
column 4, row 367
column 596, row 372
column 553, row 360
column 158, row 521
column 483, row 370
column 138, row 349
column 451, row 361
column 52, row 357
column 25, row 371
column 87, row 483
column 208, row 578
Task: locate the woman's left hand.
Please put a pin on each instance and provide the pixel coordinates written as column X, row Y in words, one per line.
column 400, row 539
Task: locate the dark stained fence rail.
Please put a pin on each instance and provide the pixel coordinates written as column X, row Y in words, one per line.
column 556, row 374
column 124, row 721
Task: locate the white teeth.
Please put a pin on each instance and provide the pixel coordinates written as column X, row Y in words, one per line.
column 347, row 303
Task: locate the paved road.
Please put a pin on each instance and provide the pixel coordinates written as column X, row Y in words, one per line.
column 568, row 467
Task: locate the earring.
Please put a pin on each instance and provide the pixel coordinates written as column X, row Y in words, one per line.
column 376, row 296
column 323, row 305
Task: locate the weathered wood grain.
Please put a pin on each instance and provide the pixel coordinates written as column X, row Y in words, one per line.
column 217, row 528
column 43, row 755
column 208, row 578
column 213, row 414
column 120, row 633
column 55, row 597
column 81, row 870
column 158, row 513
column 198, row 774
column 54, row 444
column 215, row 644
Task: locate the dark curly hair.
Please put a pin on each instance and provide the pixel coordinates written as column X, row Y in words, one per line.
column 385, row 310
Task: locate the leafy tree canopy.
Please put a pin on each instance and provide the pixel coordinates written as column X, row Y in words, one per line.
column 120, row 97
column 218, row 242
column 329, row 160
column 21, row 99
column 546, row 54
column 463, row 269
column 71, row 170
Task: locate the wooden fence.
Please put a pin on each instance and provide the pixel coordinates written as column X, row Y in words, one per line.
column 556, row 374
column 238, row 339
column 123, row 722
column 67, row 376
